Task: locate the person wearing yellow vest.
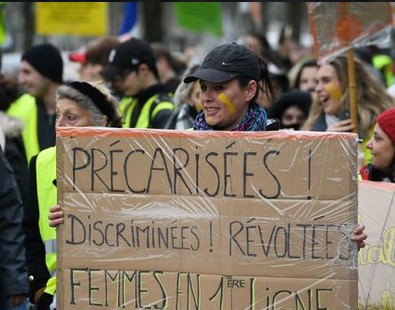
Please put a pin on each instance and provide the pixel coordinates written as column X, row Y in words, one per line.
column 78, row 104
column 40, row 75
column 132, row 71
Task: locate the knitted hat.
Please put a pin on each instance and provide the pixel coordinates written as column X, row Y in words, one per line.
column 386, row 120
column 47, row 60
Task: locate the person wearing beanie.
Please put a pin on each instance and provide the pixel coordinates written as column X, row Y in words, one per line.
column 291, row 109
column 40, row 75
column 382, row 147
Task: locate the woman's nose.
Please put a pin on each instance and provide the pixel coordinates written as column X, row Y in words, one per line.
column 60, row 122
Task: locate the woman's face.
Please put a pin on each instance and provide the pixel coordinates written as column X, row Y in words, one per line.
column 307, row 79
column 381, row 148
column 292, row 117
column 225, row 104
column 329, row 90
column 70, row 114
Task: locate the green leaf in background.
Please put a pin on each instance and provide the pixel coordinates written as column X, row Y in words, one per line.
column 200, row 17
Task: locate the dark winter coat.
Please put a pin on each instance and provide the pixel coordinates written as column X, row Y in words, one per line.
column 13, row 273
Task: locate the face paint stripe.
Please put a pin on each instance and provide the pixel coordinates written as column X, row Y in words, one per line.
column 334, row 91
column 227, row 103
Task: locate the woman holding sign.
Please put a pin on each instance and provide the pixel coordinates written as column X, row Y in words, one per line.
column 78, row 104
column 229, row 80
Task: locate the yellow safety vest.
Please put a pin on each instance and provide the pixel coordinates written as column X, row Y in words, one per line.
column 47, row 197
column 128, row 104
column 364, row 149
column 384, row 64
column 25, row 108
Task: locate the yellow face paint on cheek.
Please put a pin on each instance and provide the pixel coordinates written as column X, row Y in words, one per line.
column 199, row 106
column 227, row 103
column 334, row 91
column 210, row 120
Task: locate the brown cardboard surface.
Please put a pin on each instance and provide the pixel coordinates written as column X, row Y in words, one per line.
column 116, row 289
column 264, row 165
column 275, row 206
column 234, row 237
column 376, row 262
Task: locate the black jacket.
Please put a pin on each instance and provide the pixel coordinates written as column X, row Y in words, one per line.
column 14, row 150
column 13, row 274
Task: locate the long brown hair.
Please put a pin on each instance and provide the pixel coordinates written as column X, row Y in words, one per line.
column 372, row 97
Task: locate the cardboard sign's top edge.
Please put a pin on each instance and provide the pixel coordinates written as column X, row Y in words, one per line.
column 378, row 185
column 134, row 132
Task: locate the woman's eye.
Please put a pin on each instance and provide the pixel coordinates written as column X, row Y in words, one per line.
column 71, row 118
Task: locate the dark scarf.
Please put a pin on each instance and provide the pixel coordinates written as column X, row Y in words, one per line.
column 254, row 120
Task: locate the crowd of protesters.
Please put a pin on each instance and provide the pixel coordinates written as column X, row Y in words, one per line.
column 149, row 86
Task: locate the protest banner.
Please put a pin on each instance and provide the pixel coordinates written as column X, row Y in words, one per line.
column 161, row 219
column 72, row 18
column 337, row 26
column 376, row 262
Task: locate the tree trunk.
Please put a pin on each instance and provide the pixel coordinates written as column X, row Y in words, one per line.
column 152, row 23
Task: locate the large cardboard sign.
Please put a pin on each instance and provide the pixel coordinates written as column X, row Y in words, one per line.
column 160, row 219
column 376, row 261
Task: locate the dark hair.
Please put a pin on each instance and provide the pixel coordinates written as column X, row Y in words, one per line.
column 267, row 86
column 293, row 97
column 8, row 92
column 97, row 52
column 161, row 51
column 307, row 64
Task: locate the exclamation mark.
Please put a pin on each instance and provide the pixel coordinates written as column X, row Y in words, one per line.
column 211, row 236
column 309, row 176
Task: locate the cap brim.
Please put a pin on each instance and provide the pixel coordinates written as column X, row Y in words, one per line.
column 77, row 57
column 210, row 75
column 110, row 72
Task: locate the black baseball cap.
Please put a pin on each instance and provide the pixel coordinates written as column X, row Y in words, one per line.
column 128, row 56
column 226, row 62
